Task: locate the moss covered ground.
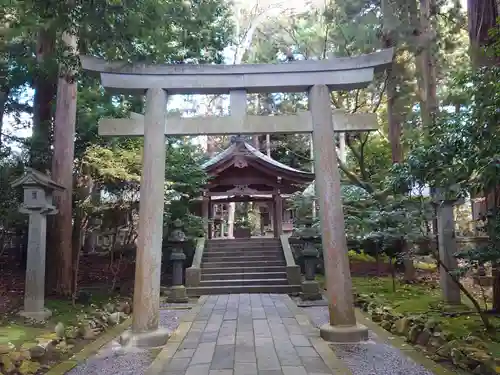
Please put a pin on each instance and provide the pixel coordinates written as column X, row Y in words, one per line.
column 425, row 298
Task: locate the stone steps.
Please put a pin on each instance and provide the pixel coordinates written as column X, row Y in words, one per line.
column 244, row 276
column 247, row 282
column 235, row 270
column 264, row 252
column 243, row 266
column 221, row 247
column 253, row 263
column 242, row 258
column 236, row 289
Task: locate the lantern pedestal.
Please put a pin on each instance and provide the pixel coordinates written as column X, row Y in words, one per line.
column 178, row 292
column 37, row 204
column 310, row 287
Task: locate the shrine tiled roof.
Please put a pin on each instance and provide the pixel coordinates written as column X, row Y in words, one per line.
column 238, row 145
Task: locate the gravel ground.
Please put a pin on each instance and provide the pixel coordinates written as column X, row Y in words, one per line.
column 113, row 360
column 373, row 357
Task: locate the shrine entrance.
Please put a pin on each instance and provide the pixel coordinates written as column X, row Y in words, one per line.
column 257, row 183
column 317, row 78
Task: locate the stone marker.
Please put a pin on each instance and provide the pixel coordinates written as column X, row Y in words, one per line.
column 37, row 203
column 447, row 243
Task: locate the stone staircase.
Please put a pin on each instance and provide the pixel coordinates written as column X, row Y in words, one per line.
column 254, row 265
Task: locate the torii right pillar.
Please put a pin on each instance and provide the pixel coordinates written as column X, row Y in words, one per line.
column 342, row 326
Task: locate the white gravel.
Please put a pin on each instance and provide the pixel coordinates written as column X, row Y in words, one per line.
column 112, row 359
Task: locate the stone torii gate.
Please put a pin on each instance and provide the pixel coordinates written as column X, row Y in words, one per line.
column 318, row 78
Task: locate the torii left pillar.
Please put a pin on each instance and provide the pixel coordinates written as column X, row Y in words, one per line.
column 149, row 240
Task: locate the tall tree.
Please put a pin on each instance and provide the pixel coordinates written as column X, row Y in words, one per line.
column 482, row 15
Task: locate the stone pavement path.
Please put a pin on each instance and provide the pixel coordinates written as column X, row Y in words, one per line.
column 249, row 334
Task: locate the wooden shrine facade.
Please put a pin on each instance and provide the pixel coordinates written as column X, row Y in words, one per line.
column 241, row 173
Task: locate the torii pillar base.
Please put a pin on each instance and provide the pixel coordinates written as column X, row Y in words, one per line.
column 341, row 335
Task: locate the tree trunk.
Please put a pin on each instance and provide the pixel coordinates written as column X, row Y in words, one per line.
column 394, row 120
column 62, row 173
column 4, row 96
column 45, row 84
column 482, row 16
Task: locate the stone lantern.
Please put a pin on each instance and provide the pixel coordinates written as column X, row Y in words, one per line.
column 37, row 203
column 310, row 287
column 177, row 239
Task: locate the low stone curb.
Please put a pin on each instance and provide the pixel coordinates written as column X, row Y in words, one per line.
column 166, row 354
column 401, row 344
column 90, row 349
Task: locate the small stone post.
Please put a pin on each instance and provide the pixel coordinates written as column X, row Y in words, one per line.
column 177, row 239
column 310, row 287
column 447, row 243
column 37, row 203
column 343, row 326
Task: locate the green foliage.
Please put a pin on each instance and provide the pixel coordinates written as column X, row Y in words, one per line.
column 361, row 256
column 117, row 170
column 10, row 199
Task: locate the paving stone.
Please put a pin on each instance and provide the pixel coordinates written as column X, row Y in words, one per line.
column 231, row 315
column 261, row 328
column 258, row 313
column 189, row 344
column 223, row 357
column 286, row 353
column 198, row 369
column 178, row 364
column 204, row 353
column 270, row 372
column 264, row 341
column 312, row 364
column 267, row 359
column 293, row 370
column 184, row 353
column 300, row 340
column 209, row 336
column 245, row 369
column 221, row 372
column 304, row 351
column 245, row 354
column 227, row 333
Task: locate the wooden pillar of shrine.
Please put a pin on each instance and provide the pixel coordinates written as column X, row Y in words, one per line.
column 210, row 216
column 205, row 214
column 278, row 215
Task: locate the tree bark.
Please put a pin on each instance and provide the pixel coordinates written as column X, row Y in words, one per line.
column 45, row 85
column 62, row 173
column 394, row 120
column 482, row 16
column 4, row 96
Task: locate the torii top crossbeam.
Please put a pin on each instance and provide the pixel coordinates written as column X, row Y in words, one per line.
column 337, row 73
